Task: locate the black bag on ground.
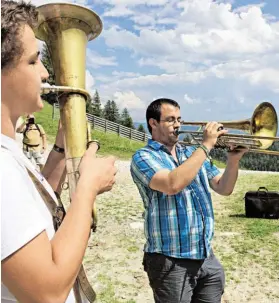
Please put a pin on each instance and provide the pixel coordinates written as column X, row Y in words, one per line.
column 262, row 204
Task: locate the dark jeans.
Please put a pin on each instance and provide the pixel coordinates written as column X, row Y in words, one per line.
column 184, row 280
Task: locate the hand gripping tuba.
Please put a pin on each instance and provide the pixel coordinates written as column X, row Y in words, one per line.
column 66, row 29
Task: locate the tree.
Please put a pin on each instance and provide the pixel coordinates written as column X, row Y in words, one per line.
column 141, row 128
column 107, row 112
column 115, row 112
column 97, row 106
column 89, row 106
column 46, row 60
column 126, row 119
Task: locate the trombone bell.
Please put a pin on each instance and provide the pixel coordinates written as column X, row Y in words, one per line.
column 262, row 128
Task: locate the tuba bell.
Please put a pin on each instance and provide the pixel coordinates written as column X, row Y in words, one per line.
column 262, row 129
column 66, row 29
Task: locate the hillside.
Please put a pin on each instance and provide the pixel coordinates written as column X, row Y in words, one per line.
column 111, row 143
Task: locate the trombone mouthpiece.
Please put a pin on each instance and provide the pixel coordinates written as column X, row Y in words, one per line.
column 176, row 132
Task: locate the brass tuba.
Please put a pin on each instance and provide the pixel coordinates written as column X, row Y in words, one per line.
column 66, row 29
column 262, row 129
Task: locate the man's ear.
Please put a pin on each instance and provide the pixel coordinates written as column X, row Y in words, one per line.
column 153, row 123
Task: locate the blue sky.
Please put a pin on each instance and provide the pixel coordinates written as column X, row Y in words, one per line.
column 218, row 59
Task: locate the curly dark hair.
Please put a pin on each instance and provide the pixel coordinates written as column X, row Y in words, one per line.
column 154, row 110
column 14, row 15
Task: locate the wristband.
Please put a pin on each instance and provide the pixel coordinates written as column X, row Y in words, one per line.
column 206, row 151
column 58, row 149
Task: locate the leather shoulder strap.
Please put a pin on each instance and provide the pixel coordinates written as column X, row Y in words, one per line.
column 58, row 214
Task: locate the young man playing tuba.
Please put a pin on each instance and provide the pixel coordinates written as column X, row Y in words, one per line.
column 38, row 265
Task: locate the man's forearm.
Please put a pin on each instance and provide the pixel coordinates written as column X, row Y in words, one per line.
column 185, row 173
column 70, row 241
column 44, row 141
column 227, row 182
column 54, row 170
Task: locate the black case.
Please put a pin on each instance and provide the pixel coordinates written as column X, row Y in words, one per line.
column 262, row 204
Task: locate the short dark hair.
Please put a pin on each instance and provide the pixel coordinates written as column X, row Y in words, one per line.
column 154, row 110
column 14, row 15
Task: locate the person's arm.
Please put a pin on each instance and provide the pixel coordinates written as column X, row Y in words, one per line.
column 172, row 182
column 44, row 271
column 44, row 142
column 224, row 184
column 54, row 169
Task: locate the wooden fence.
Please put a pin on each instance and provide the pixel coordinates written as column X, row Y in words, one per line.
column 109, row 126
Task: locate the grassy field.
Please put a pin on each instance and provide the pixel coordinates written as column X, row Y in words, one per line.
column 248, row 248
column 111, row 143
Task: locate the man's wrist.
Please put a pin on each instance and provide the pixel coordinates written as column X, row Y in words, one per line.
column 207, row 146
column 58, row 149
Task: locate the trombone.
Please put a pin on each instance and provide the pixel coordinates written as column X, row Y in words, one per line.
column 262, row 129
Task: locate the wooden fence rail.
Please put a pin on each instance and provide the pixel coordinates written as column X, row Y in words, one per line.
column 109, row 126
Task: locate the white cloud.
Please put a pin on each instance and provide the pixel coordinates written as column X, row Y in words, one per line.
column 90, row 82
column 190, row 100
column 128, row 99
column 95, row 60
column 41, row 2
column 118, row 11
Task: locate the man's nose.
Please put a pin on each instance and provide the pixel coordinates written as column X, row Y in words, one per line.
column 44, row 72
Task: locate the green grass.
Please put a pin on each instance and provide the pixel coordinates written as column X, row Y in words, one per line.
column 107, row 295
column 255, row 240
column 111, row 144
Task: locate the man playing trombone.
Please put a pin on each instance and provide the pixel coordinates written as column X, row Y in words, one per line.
column 173, row 181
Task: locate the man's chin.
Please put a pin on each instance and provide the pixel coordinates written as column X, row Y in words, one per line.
column 40, row 105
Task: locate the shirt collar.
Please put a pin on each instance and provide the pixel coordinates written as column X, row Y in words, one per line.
column 157, row 146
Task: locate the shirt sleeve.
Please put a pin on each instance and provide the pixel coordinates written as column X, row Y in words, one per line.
column 144, row 166
column 21, row 220
column 211, row 170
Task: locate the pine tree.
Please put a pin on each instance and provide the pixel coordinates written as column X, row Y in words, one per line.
column 89, row 106
column 114, row 112
column 97, row 106
column 141, row 128
column 46, row 60
column 126, row 119
column 107, row 112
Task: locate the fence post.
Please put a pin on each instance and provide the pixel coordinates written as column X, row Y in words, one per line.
column 130, row 133
column 145, row 137
column 93, row 121
column 119, row 130
column 105, row 126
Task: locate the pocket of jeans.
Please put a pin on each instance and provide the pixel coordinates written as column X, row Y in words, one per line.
column 158, row 266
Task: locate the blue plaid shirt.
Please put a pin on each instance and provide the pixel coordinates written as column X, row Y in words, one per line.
column 180, row 225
